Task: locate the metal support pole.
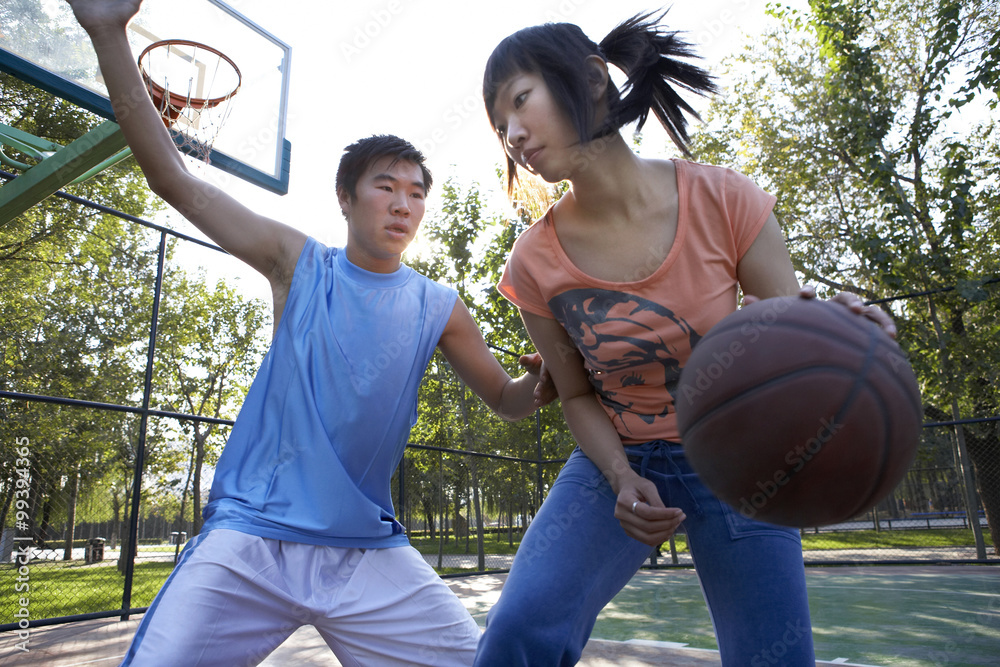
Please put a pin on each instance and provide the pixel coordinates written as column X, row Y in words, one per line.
column 140, row 452
column 538, row 464
column 971, row 497
column 401, row 512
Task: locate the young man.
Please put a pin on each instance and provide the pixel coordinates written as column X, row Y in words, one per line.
column 299, row 528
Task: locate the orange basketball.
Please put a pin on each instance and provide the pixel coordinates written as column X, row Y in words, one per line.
column 799, row 412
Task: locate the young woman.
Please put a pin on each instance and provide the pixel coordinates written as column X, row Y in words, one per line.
column 616, row 283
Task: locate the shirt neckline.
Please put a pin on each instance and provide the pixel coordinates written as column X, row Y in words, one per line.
column 675, row 248
column 371, row 278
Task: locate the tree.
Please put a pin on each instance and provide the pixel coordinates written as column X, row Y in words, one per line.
column 210, row 345
column 454, row 232
column 77, row 305
column 471, row 241
column 73, row 304
column 869, row 120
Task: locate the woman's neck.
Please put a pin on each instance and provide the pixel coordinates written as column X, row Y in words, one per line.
column 610, row 182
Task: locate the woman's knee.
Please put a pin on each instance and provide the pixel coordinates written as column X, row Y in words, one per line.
column 521, row 635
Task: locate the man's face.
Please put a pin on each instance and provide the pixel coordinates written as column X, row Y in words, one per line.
column 383, row 217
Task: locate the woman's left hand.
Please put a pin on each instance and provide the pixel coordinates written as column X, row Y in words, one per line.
column 856, row 305
column 850, row 301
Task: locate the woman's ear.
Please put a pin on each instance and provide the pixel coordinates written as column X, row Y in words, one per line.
column 597, row 77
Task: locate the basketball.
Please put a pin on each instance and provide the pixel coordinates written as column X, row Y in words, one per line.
column 799, row 412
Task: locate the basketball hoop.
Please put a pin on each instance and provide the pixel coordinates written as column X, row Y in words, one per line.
column 190, row 85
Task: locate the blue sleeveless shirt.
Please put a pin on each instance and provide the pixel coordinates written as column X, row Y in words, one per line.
column 324, row 425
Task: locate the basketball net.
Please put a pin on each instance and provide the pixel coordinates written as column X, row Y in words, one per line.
column 191, row 86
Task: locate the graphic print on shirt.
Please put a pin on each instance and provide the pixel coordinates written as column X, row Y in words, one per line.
column 627, row 341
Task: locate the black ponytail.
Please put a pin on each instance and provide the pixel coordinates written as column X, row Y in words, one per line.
column 650, row 57
column 648, row 54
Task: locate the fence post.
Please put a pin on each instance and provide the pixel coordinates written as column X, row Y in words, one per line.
column 971, row 499
column 441, row 505
column 140, row 450
column 401, row 511
column 538, row 464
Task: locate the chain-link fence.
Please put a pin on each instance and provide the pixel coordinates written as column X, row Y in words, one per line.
column 100, row 486
column 925, row 519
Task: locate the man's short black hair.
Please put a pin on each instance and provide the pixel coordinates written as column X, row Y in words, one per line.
column 361, row 155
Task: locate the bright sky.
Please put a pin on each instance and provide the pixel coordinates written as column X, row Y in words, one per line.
column 414, row 68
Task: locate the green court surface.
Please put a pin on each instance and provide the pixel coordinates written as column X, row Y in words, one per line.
column 942, row 616
column 905, row 616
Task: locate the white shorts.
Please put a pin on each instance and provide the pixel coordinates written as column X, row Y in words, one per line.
column 233, row 598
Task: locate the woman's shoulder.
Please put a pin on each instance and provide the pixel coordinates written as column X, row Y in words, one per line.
column 687, row 175
column 538, row 228
column 687, row 169
column 702, row 170
column 712, row 177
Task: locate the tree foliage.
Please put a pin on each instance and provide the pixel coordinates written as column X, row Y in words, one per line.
column 72, row 310
column 210, row 346
column 874, row 124
column 470, row 244
column 77, row 306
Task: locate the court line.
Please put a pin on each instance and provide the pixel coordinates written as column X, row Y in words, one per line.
column 849, row 587
column 91, row 662
column 876, row 589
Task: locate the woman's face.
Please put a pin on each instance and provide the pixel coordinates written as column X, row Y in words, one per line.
column 536, row 133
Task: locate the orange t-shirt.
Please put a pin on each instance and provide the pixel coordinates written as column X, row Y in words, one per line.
column 635, row 337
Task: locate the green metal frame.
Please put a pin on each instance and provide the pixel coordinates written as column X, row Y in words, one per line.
column 58, row 166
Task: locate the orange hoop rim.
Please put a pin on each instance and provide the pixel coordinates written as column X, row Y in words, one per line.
column 181, row 101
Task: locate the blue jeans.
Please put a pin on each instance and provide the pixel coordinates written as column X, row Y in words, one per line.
column 575, row 557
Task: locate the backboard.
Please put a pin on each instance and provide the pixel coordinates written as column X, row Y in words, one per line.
column 42, row 44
